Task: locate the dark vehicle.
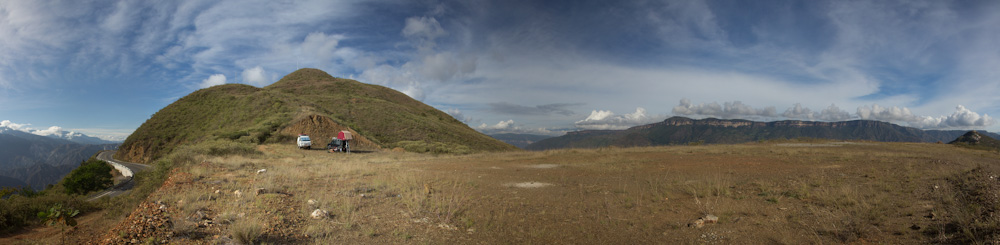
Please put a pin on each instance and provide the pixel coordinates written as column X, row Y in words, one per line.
column 341, row 142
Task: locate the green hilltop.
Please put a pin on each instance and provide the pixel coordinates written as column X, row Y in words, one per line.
column 307, row 101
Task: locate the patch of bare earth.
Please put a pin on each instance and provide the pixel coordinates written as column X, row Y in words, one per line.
column 754, row 193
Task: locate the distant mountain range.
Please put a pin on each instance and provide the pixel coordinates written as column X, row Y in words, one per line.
column 682, row 130
column 520, row 140
column 75, row 137
column 38, row 160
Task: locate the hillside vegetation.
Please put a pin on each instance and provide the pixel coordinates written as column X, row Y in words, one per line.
column 383, row 117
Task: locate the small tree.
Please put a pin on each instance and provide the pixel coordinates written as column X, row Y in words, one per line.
column 59, row 215
column 92, row 175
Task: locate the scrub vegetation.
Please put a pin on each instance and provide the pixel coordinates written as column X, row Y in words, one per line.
column 791, row 191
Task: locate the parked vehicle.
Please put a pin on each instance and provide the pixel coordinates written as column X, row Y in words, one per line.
column 303, row 142
column 341, row 142
column 335, row 145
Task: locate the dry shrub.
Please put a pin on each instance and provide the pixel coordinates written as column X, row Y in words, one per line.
column 246, row 231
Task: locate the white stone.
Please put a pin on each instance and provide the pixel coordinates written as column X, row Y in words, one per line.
column 319, row 214
column 261, row 171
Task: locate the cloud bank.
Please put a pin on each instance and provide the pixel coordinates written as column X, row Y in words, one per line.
column 607, row 120
column 510, row 127
column 962, row 118
column 105, row 134
column 734, row 109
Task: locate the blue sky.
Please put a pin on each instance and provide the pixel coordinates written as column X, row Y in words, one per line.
column 541, row 67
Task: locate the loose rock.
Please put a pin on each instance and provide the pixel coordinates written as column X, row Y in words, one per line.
column 319, row 214
column 698, row 223
column 711, row 219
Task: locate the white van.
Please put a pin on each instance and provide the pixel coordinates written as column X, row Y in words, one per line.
column 303, row 142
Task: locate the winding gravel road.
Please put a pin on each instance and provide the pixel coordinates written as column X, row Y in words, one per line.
column 126, row 168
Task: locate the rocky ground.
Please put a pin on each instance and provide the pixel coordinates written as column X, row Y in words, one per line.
column 802, row 192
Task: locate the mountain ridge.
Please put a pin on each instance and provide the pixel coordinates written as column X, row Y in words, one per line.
column 72, row 136
column 519, row 140
column 682, row 130
column 38, row 160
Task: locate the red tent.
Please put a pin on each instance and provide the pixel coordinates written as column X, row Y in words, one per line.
column 345, row 135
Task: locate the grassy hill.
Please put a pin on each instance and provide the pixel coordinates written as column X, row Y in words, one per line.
column 976, row 140
column 382, row 117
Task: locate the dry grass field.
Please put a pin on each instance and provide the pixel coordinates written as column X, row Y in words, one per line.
column 778, row 192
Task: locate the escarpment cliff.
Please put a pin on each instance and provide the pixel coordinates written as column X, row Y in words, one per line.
column 682, row 130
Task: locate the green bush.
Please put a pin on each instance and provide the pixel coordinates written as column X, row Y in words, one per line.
column 92, row 175
column 17, row 211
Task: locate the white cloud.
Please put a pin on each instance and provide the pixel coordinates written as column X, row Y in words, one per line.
column 607, row 120
column 256, row 76
column 961, row 118
column 734, row 109
column 54, row 130
column 876, row 112
column 502, row 125
column 831, row 113
column 509, row 127
column 445, row 66
column 423, row 28
column 106, row 134
column 401, row 79
column 15, row 126
column 217, row 79
column 834, row 113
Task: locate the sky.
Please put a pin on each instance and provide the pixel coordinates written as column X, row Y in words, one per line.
column 511, row 66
